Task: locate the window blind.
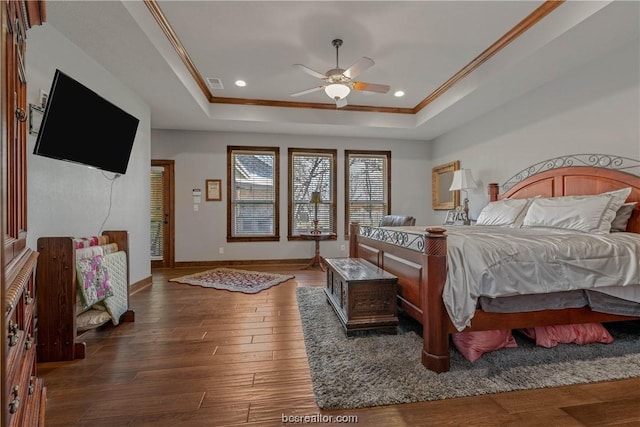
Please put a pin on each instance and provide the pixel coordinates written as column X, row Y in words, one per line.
column 312, row 172
column 157, row 214
column 367, row 187
column 253, row 194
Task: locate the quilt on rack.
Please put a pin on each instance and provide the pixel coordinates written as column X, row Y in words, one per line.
column 102, row 276
column 93, row 278
column 117, row 304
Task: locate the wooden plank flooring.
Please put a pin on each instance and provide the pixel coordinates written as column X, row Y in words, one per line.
column 204, row 357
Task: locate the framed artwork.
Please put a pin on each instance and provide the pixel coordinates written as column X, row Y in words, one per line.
column 451, row 218
column 441, row 179
column 455, row 217
column 214, row 191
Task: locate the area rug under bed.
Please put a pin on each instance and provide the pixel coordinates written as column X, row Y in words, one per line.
column 378, row 370
column 230, row 279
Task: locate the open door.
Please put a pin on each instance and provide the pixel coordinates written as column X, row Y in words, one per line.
column 162, row 213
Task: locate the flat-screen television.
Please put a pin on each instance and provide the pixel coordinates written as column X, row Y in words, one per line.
column 80, row 126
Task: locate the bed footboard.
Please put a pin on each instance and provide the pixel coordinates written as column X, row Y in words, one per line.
column 421, row 278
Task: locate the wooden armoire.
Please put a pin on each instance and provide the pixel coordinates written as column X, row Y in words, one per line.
column 23, row 393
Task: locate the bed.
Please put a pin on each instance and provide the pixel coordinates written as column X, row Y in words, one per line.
column 420, row 261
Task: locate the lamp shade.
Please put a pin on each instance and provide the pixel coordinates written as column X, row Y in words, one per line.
column 315, row 197
column 462, row 180
column 337, row 91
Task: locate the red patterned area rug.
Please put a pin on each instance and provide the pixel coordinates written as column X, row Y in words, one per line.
column 230, row 279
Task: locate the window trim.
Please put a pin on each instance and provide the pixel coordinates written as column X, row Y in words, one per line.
column 355, row 153
column 231, row 149
column 334, row 175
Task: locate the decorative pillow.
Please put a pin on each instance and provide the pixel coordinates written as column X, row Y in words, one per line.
column 585, row 333
column 621, row 220
column 502, row 212
column 472, row 345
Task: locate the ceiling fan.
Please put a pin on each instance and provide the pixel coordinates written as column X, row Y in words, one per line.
column 339, row 82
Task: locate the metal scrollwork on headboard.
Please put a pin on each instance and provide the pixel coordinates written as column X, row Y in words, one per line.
column 605, row 161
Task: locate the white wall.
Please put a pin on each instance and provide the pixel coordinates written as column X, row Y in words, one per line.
column 592, row 110
column 203, row 155
column 66, row 199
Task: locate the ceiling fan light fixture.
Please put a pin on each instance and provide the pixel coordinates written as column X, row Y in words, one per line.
column 337, row 91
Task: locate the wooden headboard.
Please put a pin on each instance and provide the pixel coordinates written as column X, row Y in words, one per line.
column 576, row 180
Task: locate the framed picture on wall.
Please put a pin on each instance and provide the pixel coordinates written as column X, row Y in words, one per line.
column 214, row 191
column 441, row 178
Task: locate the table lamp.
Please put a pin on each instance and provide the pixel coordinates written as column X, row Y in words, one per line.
column 315, row 199
column 463, row 180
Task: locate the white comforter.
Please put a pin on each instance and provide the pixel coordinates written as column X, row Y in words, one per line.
column 499, row 261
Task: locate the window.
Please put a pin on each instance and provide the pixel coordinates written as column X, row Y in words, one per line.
column 368, row 187
column 252, row 205
column 311, row 170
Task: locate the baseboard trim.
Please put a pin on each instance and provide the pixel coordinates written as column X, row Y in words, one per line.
column 236, row 263
column 140, row 285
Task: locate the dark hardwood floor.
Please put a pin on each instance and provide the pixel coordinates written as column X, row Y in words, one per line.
column 204, row 357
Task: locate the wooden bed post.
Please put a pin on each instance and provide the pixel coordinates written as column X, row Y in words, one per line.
column 494, row 190
column 435, row 320
column 354, row 230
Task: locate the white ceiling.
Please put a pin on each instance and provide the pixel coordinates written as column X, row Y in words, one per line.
column 416, row 45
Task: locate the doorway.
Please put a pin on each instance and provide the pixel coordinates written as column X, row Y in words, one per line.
column 162, row 213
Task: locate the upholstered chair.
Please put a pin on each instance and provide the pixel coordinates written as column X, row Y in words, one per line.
column 397, row 221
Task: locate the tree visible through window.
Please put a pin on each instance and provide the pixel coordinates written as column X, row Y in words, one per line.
column 252, row 207
column 309, row 171
column 368, row 187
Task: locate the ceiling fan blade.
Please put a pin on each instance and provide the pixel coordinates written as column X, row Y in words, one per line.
column 371, row 87
column 360, row 65
column 310, row 71
column 304, row 92
column 341, row 102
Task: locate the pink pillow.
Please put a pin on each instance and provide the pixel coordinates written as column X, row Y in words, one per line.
column 472, row 345
column 585, row 333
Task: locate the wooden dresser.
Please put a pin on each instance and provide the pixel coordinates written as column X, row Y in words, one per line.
column 23, row 393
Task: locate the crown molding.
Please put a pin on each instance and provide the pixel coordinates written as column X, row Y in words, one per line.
column 520, row 28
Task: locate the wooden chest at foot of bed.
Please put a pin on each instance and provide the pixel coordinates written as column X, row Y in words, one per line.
column 362, row 295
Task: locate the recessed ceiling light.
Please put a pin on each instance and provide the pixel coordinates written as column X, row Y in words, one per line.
column 398, row 93
column 241, row 83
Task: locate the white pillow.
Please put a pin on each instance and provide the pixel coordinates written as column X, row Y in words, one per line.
column 502, row 212
column 591, row 214
column 520, row 218
column 618, row 199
